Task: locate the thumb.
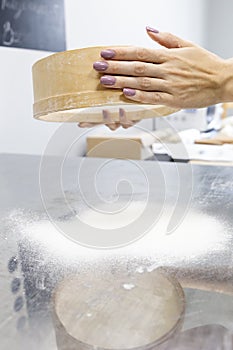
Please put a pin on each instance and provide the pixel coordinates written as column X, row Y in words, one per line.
column 168, row 40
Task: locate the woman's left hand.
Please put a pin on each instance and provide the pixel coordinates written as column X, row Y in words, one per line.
column 107, row 120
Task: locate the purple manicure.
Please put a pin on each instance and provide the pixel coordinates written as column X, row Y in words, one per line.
column 100, row 66
column 129, row 92
column 122, row 113
column 105, row 115
column 108, row 80
column 107, row 54
column 153, row 30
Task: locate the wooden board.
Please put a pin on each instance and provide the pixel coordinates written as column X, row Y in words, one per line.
column 67, row 89
column 114, row 310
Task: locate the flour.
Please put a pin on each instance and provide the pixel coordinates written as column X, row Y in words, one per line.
column 197, row 236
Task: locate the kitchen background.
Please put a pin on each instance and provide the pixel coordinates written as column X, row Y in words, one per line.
column 102, row 22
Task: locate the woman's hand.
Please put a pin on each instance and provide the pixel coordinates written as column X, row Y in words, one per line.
column 107, row 120
column 181, row 75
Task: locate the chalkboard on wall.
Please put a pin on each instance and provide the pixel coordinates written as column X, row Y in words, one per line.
column 33, row 24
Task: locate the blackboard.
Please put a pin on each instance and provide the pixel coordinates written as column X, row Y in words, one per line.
column 33, row 24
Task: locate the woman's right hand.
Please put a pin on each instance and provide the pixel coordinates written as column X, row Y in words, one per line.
column 180, row 75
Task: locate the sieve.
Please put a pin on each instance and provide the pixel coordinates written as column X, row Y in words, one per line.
column 67, row 89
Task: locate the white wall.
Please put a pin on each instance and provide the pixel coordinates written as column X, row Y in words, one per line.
column 19, row 133
column 89, row 23
column 116, row 22
column 219, row 31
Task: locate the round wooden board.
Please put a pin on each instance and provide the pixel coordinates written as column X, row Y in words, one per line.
column 67, row 89
column 117, row 310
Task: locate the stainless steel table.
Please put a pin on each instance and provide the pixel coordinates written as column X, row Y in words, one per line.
column 190, row 205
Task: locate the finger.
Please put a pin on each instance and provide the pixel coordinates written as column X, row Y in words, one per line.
column 156, row 98
column 131, row 53
column 88, row 125
column 138, row 83
column 125, row 123
column 133, row 68
column 167, row 40
column 91, row 125
column 113, row 127
column 132, row 123
column 107, row 120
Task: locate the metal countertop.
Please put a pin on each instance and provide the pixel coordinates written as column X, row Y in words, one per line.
column 186, row 227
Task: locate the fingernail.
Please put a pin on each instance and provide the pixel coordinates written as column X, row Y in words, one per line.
column 122, row 113
column 105, row 115
column 129, row 92
column 100, row 66
column 107, row 53
column 153, row 30
column 108, row 80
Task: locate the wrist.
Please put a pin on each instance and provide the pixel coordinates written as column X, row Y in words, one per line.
column 227, row 81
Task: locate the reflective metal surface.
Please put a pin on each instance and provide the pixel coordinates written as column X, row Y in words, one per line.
column 35, row 255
